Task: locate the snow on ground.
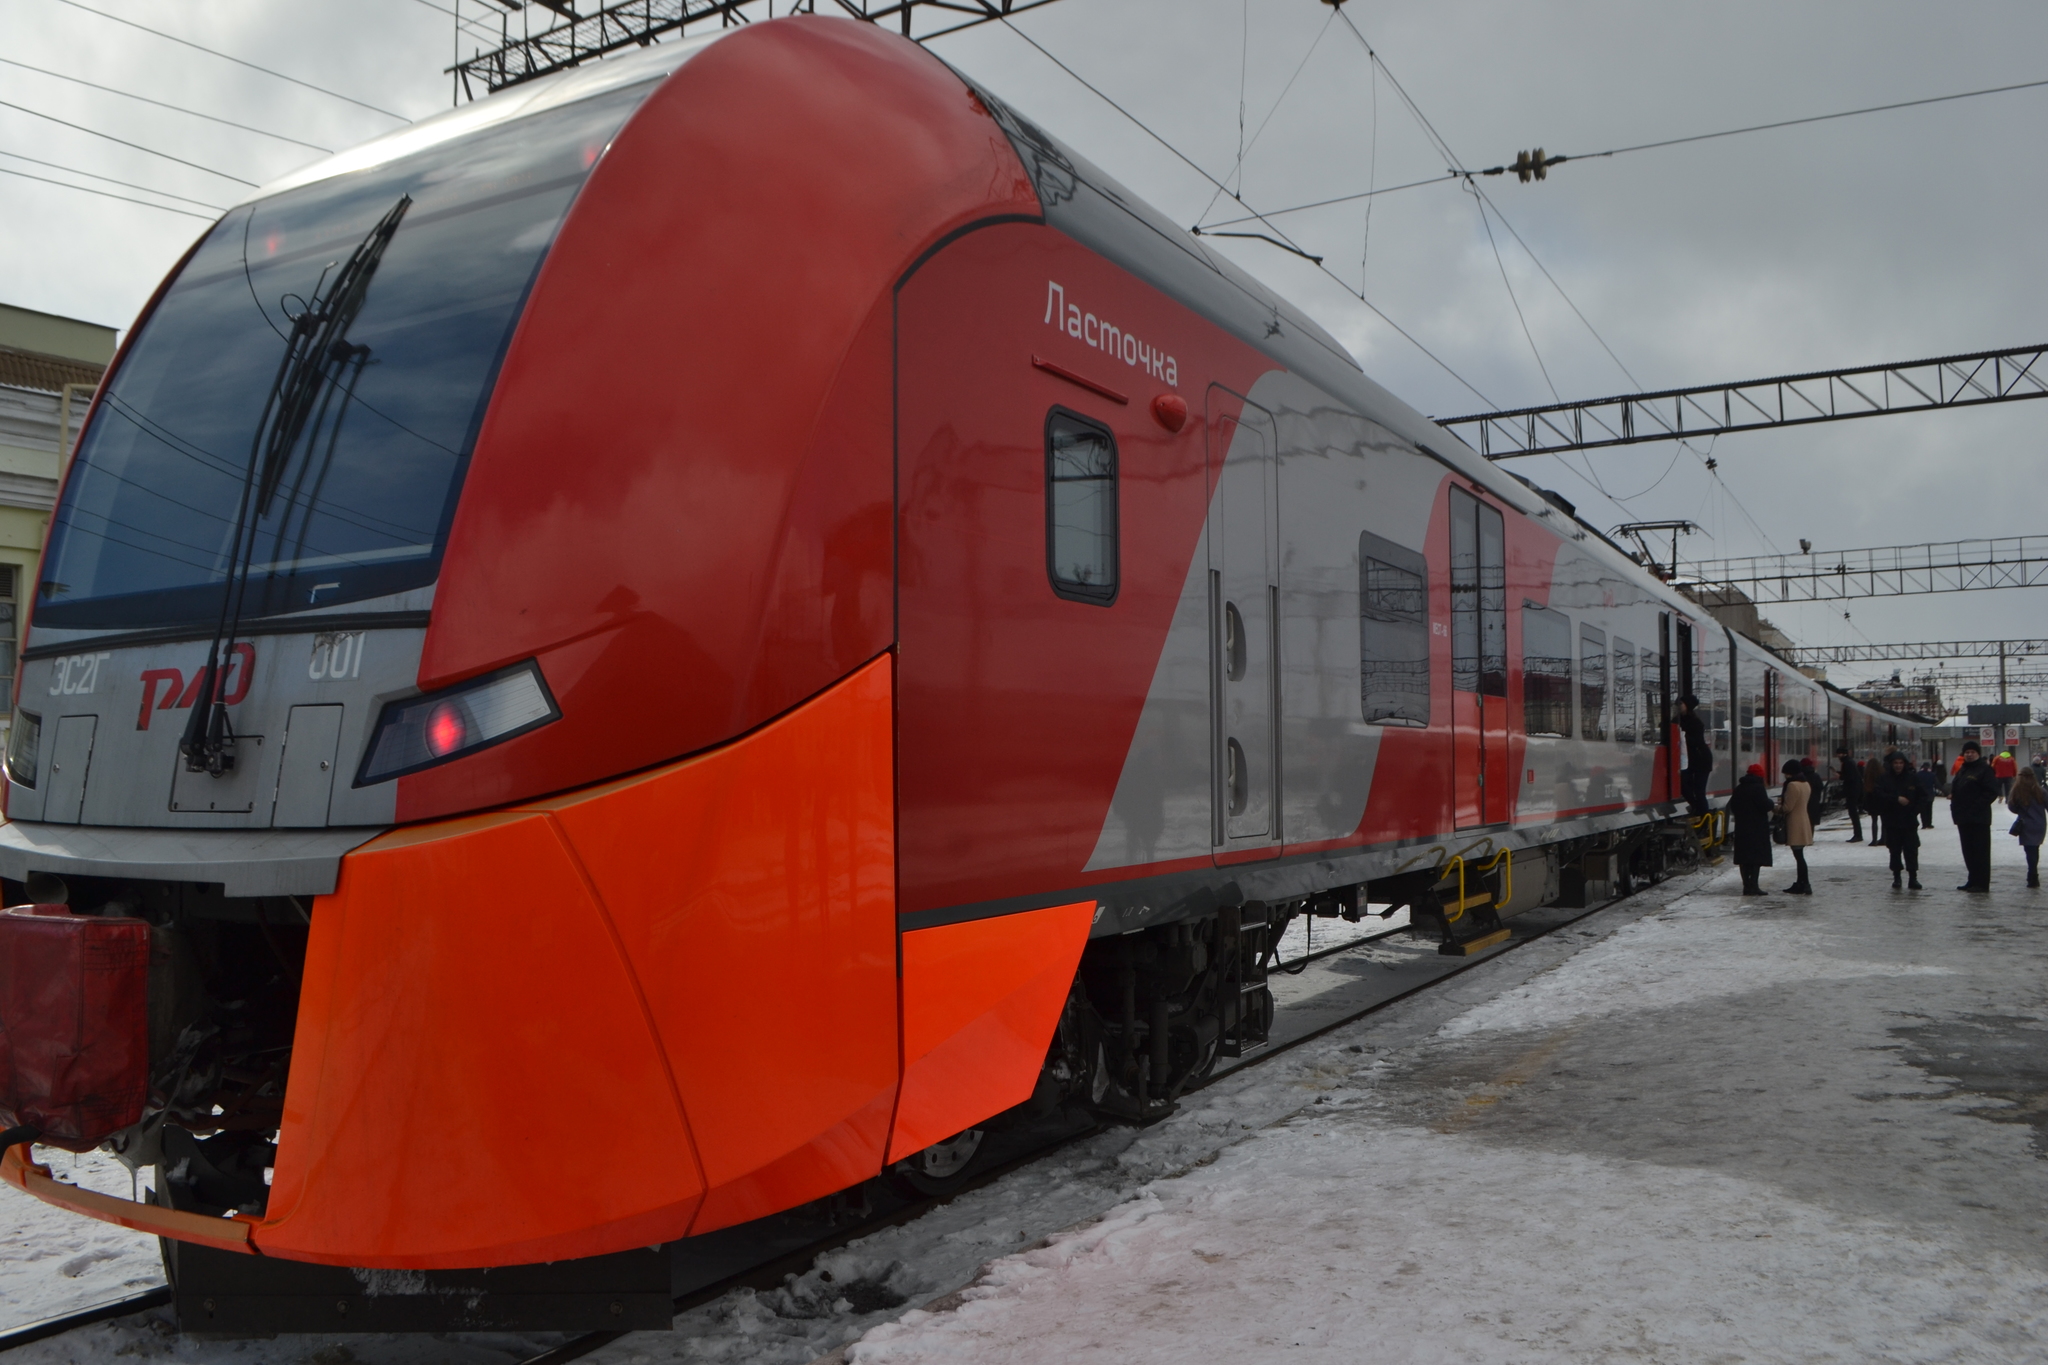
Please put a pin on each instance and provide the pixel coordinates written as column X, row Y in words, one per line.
column 1777, row 1129
column 1710, row 950
column 1337, row 1239
column 53, row 1262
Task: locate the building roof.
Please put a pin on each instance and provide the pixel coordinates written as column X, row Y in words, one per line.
column 21, row 369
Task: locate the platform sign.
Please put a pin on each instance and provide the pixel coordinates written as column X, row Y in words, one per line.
column 2012, row 735
column 2018, row 713
column 1987, row 735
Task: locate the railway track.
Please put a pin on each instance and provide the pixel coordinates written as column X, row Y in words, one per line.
column 771, row 1270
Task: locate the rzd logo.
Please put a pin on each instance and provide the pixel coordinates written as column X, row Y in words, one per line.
column 234, row 684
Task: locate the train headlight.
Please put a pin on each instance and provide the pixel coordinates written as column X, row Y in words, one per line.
column 421, row 731
column 22, row 742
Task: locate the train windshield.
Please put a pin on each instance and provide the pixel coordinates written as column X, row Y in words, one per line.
column 297, row 412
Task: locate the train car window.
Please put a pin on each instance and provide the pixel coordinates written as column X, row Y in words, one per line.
column 1546, row 671
column 1080, row 508
column 1652, row 732
column 1624, row 691
column 1479, row 597
column 1464, row 591
column 1493, row 603
column 1393, row 632
column 1592, row 683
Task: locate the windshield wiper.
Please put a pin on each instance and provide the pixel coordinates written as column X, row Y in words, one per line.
column 317, row 353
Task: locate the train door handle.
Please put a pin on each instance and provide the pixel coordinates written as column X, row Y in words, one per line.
column 1233, row 643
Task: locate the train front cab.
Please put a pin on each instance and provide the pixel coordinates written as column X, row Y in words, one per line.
column 587, row 996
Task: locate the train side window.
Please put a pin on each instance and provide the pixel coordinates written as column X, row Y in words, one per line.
column 1479, row 597
column 1080, row 508
column 1592, row 683
column 1393, row 632
column 1546, row 671
column 1651, row 731
column 1624, row 691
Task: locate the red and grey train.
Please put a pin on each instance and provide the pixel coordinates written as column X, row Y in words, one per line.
column 745, row 608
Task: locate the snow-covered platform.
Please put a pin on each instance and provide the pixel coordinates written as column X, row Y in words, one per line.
column 1689, row 1127
column 1786, row 1129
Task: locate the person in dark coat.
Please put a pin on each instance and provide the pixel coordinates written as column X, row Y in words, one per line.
column 1699, row 755
column 1814, row 790
column 1930, row 782
column 1851, row 773
column 1750, row 808
column 1899, row 799
column 1971, row 794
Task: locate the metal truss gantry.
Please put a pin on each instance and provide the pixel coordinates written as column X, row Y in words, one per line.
column 585, row 34
column 1787, row 400
column 1884, row 571
column 1823, row 655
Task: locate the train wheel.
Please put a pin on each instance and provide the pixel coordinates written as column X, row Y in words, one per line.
column 941, row 1168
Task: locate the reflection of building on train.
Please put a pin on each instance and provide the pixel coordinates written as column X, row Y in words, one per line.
column 974, row 630
column 48, row 367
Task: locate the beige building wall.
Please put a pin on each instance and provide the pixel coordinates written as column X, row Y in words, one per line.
column 49, row 366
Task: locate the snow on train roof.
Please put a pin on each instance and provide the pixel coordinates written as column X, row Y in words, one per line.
column 519, row 101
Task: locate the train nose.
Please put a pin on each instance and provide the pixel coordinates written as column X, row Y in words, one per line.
column 695, row 964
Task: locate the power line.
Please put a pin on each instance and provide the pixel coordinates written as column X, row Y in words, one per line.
column 185, row 42
column 104, row 194
column 128, row 184
column 34, row 113
column 178, row 108
column 1549, row 383
column 1289, row 245
column 1814, row 118
column 1246, row 148
column 1456, row 170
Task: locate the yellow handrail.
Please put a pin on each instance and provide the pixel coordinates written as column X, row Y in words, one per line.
column 1507, row 876
column 1456, row 911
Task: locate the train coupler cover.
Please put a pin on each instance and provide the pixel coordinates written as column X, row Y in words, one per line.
column 74, row 1024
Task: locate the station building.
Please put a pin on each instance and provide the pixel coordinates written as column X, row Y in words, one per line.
column 49, row 366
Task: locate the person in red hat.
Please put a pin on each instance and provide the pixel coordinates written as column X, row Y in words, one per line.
column 1750, row 808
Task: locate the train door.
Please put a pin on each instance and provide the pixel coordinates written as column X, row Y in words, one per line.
column 1479, row 662
column 1663, row 705
column 1767, row 742
column 1243, row 593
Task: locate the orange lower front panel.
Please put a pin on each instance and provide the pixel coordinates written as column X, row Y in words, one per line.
column 980, row 1003
column 611, row 1019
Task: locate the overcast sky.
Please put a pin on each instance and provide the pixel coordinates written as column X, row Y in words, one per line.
column 1881, row 238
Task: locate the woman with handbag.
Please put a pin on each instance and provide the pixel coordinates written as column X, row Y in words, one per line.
column 2030, row 810
column 1792, row 799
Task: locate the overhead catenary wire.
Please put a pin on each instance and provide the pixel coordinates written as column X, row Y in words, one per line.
column 94, row 132
column 1245, row 148
column 197, row 47
column 1457, row 171
column 104, row 194
column 161, row 104
column 125, row 184
column 1196, row 167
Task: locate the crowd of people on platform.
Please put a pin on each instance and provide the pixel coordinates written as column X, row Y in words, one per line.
column 1899, row 798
